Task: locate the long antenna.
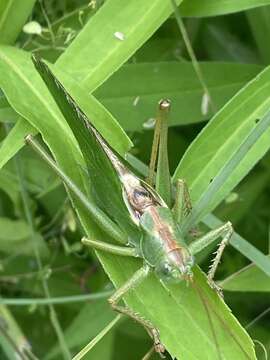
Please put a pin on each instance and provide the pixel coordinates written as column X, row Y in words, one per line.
column 97, row 214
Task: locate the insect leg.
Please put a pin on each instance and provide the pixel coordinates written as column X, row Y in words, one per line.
column 113, row 249
column 182, row 206
column 159, row 154
column 163, row 177
column 154, row 153
column 134, row 281
column 105, row 223
column 225, row 232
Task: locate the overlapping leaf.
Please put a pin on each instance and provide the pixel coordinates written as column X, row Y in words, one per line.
column 221, row 140
column 250, row 278
column 212, row 7
column 13, row 15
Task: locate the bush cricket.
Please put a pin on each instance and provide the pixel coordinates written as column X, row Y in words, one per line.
column 151, row 226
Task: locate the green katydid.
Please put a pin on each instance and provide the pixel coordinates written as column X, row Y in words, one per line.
column 151, row 228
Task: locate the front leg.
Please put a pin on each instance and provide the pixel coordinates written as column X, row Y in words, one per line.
column 110, row 248
column 225, row 232
column 133, row 282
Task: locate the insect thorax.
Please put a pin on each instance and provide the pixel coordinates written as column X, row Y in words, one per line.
column 162, row 245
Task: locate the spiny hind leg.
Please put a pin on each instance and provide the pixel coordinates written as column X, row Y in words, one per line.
column 225, row 232
column 134, row 281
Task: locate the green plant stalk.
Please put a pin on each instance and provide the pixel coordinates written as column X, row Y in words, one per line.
column 12, row 341
column 55, row 300
column 192, row 55
column 93, row 342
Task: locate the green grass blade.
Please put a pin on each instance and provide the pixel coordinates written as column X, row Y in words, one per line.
column 13, row 15
column 259, row 22
column 12, row 340
column 204, row 202
column 36, row 251
column 40, row 110
column 93, row 342
column 200, row 8
column 15, row 140
column 78, row 333
column 54, row 300
column 220, row 142
column 192, row 56
column 7, row 114
column 250, row 278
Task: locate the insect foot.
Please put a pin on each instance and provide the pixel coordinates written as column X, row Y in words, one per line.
column 159, row 347
column 216, row 287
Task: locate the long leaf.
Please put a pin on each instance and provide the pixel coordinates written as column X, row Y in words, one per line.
column 16, row 70
column 250, row 278
column 259, row 23
column 106, row 59
column 7, row 114
column 220, row 141
column 13, row 15
column 12, row 340
column 15, row 140
column 204, row 202
column 200, row 8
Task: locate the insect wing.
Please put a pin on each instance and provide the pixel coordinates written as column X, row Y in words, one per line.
column 105, row 189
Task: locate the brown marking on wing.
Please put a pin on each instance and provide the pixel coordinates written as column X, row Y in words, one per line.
column 173, row 250
column 164, row 231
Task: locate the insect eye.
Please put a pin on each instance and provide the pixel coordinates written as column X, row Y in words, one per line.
column 167, row 269
column 141, row 193
column 141, row 199
column 164, row 268
column 167, row 273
